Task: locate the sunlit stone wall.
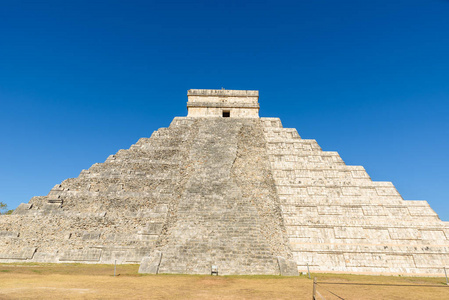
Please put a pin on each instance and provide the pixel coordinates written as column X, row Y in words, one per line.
column 217, row 103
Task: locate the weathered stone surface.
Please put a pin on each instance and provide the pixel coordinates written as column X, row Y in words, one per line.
column 241, row 193
column 223, row 103
column 287, row 267
column 150, row 264
column 25, row 253
column 228, row 214
column 88, row 255
column 337, row 219
column 22, row 209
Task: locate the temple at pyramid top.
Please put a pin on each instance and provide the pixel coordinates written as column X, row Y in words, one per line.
column 223, row 103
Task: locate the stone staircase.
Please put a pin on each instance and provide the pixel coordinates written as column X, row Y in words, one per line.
column 219, row 223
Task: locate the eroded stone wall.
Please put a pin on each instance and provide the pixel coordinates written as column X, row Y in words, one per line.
column 120, row 209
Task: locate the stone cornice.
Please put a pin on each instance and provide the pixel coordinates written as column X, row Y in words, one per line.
column 223, row 105
column 223, row 93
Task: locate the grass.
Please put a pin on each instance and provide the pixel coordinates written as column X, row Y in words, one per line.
column 89, row 281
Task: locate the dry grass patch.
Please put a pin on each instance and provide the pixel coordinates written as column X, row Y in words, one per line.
column 82, row 281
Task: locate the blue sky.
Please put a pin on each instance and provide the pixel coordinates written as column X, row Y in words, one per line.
column 80, row 80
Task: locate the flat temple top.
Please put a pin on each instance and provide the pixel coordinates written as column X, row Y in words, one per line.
column 223, row 93
column 223, row 103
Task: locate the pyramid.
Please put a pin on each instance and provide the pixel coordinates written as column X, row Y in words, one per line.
column 223, row 189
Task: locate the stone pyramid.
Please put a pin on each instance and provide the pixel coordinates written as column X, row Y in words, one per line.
column 225, row 188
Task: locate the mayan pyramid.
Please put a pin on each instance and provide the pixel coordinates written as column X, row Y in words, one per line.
column 223, row 187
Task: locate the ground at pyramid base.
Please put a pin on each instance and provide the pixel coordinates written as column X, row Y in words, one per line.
column 224, row 189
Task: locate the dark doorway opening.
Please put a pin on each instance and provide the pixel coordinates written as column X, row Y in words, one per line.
column 226, row 114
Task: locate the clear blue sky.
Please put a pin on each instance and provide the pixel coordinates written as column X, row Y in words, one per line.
column 80, row 80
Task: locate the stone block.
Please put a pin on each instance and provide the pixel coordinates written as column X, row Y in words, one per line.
column 374, row 210
column 51, row 208
column 349, row 233
column 350, row 191
column 430, row 260
column 421, row 211
column 287, row 267
column 404, row 233
column 121, row 255
column 365, row 260
column 91, row 236
column 400, row 261
column 8, row 234
column 23, row 209
column 45, row 257
column 437, row 235
column 25, row 253
column 135, row 255
column 385, row 189
column 87, row 255
column 377, row 235
column 150, row 264
column 397, row 211
column 330, row 210
column 318, row 260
